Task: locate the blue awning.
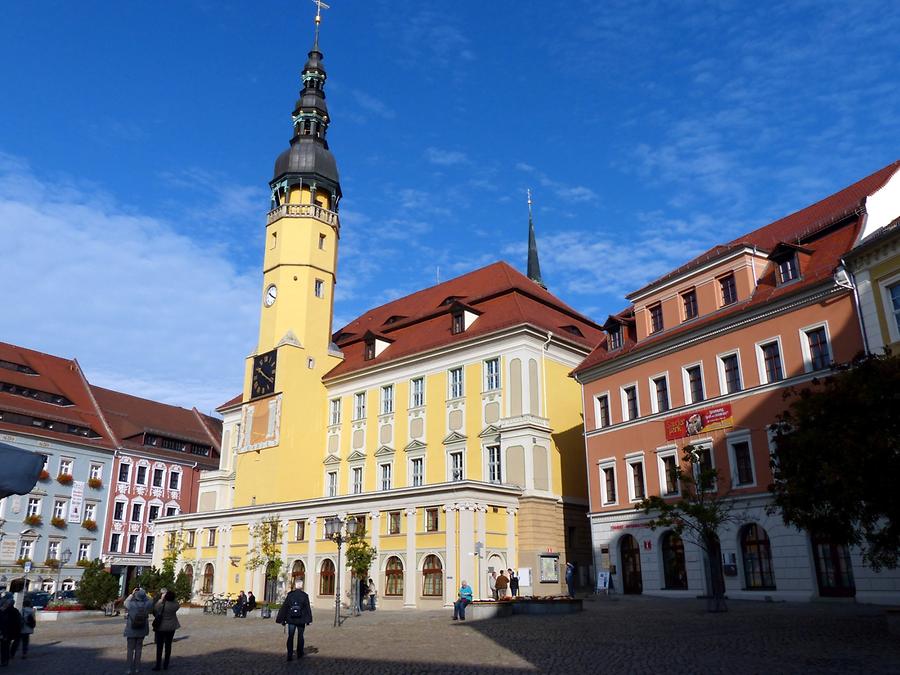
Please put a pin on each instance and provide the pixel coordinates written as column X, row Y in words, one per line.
column 19, row 470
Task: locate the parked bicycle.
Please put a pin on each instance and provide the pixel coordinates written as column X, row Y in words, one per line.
column 218, row 604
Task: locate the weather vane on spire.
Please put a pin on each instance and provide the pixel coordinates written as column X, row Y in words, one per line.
column 529, row 200
column 319, row 7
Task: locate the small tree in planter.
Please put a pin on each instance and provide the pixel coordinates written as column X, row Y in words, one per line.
column 64, row 479
column 95, row 483
column 89, row 524
column 360, row 555
column 701, row 510
column 267, row 554
column 33, row 520
column 58, row 522
column 97, row 586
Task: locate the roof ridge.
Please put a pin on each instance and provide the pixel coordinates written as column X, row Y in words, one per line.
column 140, row 398
column 87, row 385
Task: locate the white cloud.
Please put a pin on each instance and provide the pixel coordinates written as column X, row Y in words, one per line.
column 446, row 157
column 142, row 307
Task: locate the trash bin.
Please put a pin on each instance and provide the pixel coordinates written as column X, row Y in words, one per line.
column 265, row 613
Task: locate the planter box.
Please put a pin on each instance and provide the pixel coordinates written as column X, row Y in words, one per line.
column 49, row 615
column 480, row 610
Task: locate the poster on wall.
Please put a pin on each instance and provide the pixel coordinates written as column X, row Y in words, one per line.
column 550, row 569
column 699, row 422
column 525, row 576
column 77, row 504
column 603, row 581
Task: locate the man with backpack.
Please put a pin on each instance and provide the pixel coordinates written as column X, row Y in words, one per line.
column 297, row 614
column 137, row 626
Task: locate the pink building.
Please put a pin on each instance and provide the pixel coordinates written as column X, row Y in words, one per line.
column 161, row 451
column 702, row 357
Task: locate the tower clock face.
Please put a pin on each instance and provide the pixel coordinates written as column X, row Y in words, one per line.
column 263, row 381
column 271, row 294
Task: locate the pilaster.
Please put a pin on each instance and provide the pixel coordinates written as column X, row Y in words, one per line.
column 412, row 568
column 452, row 583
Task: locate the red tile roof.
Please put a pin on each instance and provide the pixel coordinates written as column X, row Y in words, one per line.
column 131, row 416
column 230, row 403
column 58, row 376
column 504, row 296
column 811, row 226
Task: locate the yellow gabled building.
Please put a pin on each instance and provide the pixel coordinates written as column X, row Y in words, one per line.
column 445, row 421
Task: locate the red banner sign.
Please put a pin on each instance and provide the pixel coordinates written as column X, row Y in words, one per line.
column 699, row 422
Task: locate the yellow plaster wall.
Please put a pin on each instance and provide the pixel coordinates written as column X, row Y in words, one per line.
column 885, row 268
column 567, row 454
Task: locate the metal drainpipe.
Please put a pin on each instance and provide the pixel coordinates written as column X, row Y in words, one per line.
column 856, row 304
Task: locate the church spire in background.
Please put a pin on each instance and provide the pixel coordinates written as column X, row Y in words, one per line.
column 534, row 265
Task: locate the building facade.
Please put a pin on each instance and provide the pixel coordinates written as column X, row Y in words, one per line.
column 703, row 357
column 445, row 421
column 46, row 406
column 160, row 451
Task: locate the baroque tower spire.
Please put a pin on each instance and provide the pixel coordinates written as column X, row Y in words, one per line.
column 534, row 265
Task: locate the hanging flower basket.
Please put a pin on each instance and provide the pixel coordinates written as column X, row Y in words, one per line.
column 64, row 479
column 95, row 483
column 89, row 524
column 33, row 520
column 58, row 522
column 44, row 475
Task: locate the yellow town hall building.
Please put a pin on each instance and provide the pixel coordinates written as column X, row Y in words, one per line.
column 445, row 421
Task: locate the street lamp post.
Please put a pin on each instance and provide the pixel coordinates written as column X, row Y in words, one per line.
column 63, row 560
column 339, row 531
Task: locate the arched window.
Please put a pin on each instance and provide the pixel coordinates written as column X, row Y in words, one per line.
column 393, row 576
column 189, row 573
column 298, row 572
column 326, row 578
column 673, row 561
column 208, row 575
column 432, row 576
column 757, row 554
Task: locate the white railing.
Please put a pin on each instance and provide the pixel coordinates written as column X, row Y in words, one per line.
column 304, row 211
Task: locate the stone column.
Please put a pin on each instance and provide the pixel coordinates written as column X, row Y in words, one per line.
column 468, row 565
column 284, row 584
column 451, row 582
column 223, row 564
column 412, row 571
column 312, row 574
column 512, row 559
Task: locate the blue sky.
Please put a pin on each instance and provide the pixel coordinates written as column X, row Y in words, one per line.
column 137, row 139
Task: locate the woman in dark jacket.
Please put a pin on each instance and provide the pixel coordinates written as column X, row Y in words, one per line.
column 10, row 626
column 165, row 625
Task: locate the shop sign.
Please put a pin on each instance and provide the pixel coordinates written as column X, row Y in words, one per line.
column 699, row 422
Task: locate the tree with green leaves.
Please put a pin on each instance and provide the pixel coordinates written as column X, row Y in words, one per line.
column 154, row 579
column 360, row 555
column 97, row 586
column 267, row 551
column 701, row 511
column 837, row 458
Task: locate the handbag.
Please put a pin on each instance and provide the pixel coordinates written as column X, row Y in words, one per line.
column 156, row 622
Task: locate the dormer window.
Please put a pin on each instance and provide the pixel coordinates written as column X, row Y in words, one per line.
column 573, row 330
column 787, row 270
column 615, row 337
column 461, row 317
column 374, row 345
column 370, row 350
column 656, row 318
column 459, row 323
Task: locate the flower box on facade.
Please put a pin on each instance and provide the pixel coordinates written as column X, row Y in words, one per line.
column 21, row 561
column 52, row 563
column 44, row 475
column 33, row 520
column 84, row 563
column 95, row 483
column 89, row 524
column 58, row 522
column 64, row 479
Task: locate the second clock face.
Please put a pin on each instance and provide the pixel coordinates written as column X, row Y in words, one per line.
column 263, row 381
column 271, row 295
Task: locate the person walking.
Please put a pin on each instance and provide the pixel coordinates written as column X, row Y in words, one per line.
column 297, row 614
column 513, row 583
column 502, row 585
column 251, row 604
column 165, row 625
column 28, row 624
column 10, row 626
column 492, row 584
column 465, row 597
column 137, row 625
column 372, row 592
column 570, row 578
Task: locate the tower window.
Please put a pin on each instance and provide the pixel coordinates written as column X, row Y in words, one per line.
column 320, row 288
column 321, row 242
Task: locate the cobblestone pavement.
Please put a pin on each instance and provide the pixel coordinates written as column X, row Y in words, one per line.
column 619, row 635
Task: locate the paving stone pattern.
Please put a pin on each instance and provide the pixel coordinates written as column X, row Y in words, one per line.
column 612, row 635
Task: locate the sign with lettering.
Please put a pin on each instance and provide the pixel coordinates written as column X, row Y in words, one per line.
column 603, row 581
column 699, row 422
column 76, row 506
column 8, row 550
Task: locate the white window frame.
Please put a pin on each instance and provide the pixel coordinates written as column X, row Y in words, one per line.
column 124, row 504
column 417, row 398
column 720, row 369
column 705, row 444
column 359, row 406
column 387, row 399
column 175, row 472
column 631, row 459
column 357, row 471
column 761, row 359
column 60, row 508
column 90, row 511
column 140, row 508
column 26, row 549
column 114, row 542
column 174, row 509
column 331, row 483
column 651, row 383
column 150, row 516
column 137, row 474
column 662, row 454
column 161, row 472
column 731, row 439
column 451, row 469
column 53, row 549
column 412, row 474
column 604, row 464
column 492, row 381
column 456, row 388
column 136, row 538
column 597, row 399
column 334, row 411
column 686, row 382
column 386, row 468
column 489, row 463
column 893, row 320
column 33, row 508
column 84, row 550
column 128, row 467
column 624, row 400
column 66, row 466
column 96, row 471
column 804, row 345
column 319, row 288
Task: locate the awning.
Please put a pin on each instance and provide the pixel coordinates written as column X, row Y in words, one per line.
column 19, row 470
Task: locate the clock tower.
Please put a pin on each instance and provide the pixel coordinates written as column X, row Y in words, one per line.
column 283, row 418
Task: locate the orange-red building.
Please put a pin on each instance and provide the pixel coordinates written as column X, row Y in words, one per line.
column 702, row 356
